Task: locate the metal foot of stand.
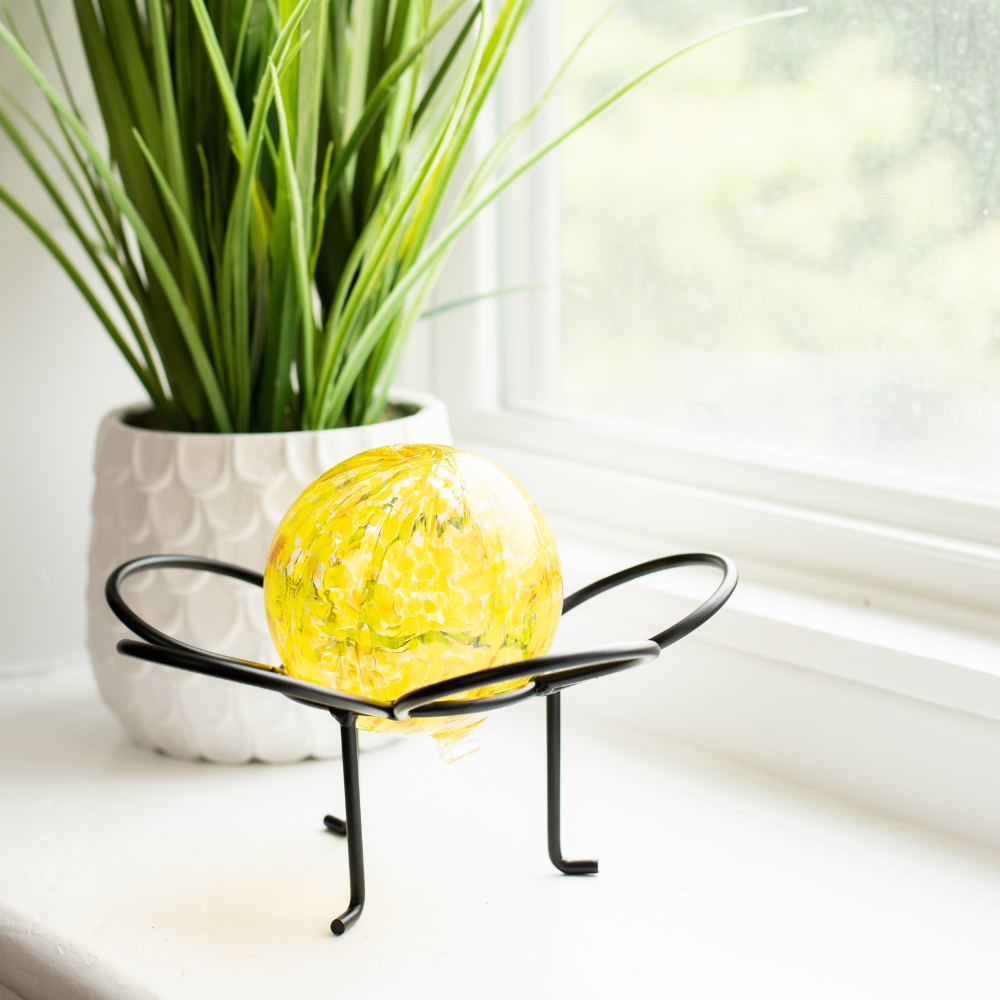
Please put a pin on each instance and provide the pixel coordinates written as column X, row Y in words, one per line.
column 553, row 733
column 351, row 827
column 334, row 825
column 543, row 676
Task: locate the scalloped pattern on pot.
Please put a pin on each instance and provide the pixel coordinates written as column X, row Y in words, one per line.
column 221, row 496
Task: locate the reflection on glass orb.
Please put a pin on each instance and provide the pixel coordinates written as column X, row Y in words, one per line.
column 407, row 565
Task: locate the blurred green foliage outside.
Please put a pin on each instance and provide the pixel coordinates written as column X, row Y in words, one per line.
column 788, row 242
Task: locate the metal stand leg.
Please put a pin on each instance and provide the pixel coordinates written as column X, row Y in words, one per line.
column 553, row 730
column 352, row 826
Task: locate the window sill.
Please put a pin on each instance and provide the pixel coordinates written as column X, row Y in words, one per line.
column 127, row 875
column 900, row 714
column 878, row 683
column 860, row 652
column 917, row 657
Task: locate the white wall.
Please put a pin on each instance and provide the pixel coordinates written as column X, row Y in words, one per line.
column 58, row 373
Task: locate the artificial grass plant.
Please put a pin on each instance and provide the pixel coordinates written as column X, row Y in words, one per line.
column 259, row 231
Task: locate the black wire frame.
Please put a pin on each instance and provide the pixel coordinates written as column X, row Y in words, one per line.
column 543, row 676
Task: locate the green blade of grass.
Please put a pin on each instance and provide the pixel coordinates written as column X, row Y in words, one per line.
column 515, row 130
column 54, row 49
column 385, row 367
column 311, row 63
column 234, row 284
column 494, row 53
column 383, row 91
column 354, row 288
column 241, row 37
column 227, row 89
column 299, row 257
column 118, row 120
column 150, row 248
column 446, row 64
column 28, row 155
column 468, row 300
column 172, row 141
column 146, row 377
column 126, row 44
column 207, row 209
column 320, row 210
column 288, row 62
column 190, row 244
column 89, row 203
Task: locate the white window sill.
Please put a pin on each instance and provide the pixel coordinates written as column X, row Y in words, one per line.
column 125, row 874
column 895, row 712
column 920, row 658
column 861, row 651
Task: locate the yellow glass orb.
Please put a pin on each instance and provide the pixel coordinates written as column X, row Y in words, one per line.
column 407, row 565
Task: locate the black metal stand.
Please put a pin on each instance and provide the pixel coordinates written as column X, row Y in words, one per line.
column 543, row 676
column 351, row 827
column 553, row 739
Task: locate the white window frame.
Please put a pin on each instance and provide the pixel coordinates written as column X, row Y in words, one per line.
column 861, row 650
column 864, row 539
column 853, row 591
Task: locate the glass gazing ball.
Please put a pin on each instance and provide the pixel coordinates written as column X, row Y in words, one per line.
column 407, row 565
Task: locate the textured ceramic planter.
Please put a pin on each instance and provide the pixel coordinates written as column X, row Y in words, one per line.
column 216, row 495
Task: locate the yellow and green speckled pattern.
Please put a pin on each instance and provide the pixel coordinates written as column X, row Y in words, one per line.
column 407, row 565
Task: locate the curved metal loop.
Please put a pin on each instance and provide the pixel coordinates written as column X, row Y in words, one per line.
column 544, row 674
column 229, row 668
column 549, row 674
column 686, row 625
column 162, row 648
column 113, row 594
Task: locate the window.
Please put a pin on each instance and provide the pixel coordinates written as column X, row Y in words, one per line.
column 788, row 241
column 767, row 283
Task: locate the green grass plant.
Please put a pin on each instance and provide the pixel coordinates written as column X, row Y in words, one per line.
column 273, row 206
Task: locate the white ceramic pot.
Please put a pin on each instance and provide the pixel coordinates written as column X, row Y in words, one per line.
column 216, row 495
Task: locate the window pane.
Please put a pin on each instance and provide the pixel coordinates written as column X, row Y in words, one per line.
column 789, row 240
